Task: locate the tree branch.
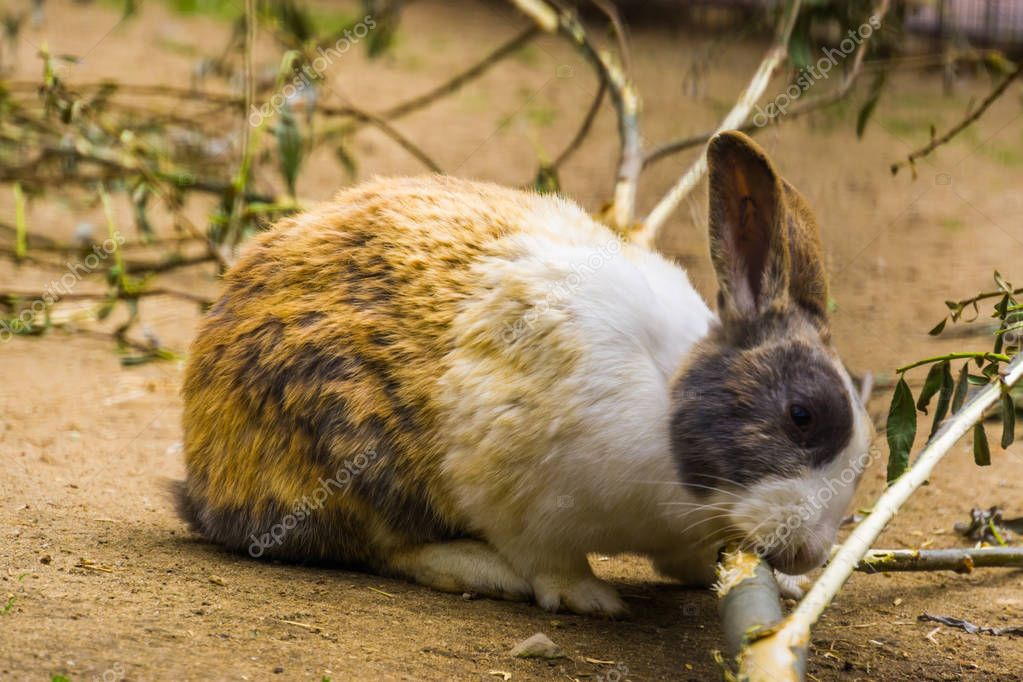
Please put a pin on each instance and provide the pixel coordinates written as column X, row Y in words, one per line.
column 623, row 96
column 958, row 560
column 584, row 129
column 748, row 598
column 86, row 296
column 774, row 58
column 470, row 74
column 802, row 107
column 962, row 125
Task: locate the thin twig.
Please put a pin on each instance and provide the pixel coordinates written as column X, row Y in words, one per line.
column 473, row 72
column 584, row 129
column 403, row 142
column 395, row 111
column 84, row 152
column 241, row 179
column 623, row 96
column 991, row 357
column 993, row 96
column 87, row 296
column 802, row 107
column 774, row 58
column 621, row 37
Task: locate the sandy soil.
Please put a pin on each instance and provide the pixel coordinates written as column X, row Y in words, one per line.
column 103, row 580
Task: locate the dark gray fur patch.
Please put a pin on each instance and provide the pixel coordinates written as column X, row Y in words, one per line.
column 731, row 420
column 387, row 482
column 302, row 534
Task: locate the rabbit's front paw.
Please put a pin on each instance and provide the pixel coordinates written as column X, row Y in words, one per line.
column 579, row 594
column 791, row 586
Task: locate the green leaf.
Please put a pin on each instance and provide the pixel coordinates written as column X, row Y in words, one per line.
column 1002, row 284
column 140, row 200
column 800, row 52
column 546, row 181
column 944, row 397
column 873, row 97
column 938, row 328
column 931, row 385
column 347, row 162
column 997, row 64
column 901, row 429
column 293, row 20
column 105, row 308
column 1001, row 307
column 981, row 449
column 991, row 371
column 962, row 388
column 21, row 231
column 386, row 15
column 1008, row 420
column 289, row 147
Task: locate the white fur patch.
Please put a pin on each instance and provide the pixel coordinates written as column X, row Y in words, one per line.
column 558, row 396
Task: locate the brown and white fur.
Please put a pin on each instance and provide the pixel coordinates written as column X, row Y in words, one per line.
column 474, row 387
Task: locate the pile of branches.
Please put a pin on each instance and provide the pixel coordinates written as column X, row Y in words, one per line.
column 234, row 142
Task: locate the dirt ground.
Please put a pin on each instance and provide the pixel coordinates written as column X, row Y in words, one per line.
column 104, row 582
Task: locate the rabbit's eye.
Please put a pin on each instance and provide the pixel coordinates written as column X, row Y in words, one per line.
column 800, row 415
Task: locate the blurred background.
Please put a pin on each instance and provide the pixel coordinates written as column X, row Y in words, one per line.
column 143, row 143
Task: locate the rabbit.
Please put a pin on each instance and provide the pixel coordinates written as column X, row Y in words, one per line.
column 474, row 387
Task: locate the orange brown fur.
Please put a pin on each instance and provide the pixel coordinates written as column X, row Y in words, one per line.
column 293, row 371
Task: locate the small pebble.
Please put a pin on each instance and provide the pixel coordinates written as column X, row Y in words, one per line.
column 537, row 646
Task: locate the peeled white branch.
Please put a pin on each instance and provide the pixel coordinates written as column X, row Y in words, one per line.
column 780, row 655
column 774, row 58
column 748, row 595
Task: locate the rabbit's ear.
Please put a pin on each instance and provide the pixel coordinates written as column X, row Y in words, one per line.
column 763, row 238
column 747, row 241
column 808, row 281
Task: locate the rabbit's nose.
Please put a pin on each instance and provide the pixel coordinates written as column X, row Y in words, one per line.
column 796, row 559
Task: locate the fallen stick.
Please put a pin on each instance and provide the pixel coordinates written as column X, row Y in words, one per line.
column 778, row 653
column 748, row 598
column 958, row 560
